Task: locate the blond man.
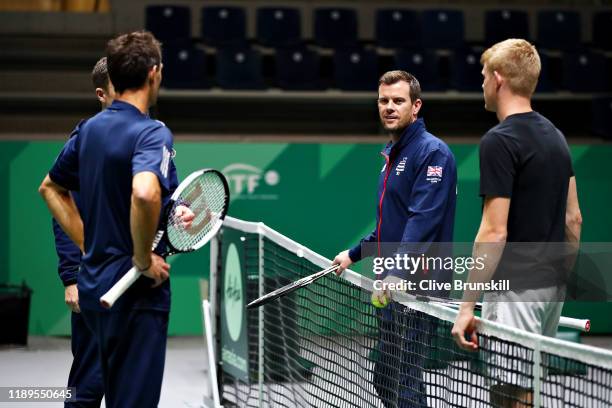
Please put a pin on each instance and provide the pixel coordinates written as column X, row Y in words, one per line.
column 529, row 196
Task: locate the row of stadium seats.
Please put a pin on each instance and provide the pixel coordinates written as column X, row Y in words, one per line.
column 302, row 68
column 395, row 28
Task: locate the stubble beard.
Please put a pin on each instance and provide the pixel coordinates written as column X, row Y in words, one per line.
column 398, row 131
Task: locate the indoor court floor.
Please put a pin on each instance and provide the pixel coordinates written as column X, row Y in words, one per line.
column 46, row 362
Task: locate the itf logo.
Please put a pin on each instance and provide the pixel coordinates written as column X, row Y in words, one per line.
column 245, row 179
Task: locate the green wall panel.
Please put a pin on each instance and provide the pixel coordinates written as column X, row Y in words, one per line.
column 322, row 195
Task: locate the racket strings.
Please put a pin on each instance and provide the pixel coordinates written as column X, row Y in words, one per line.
column 205, row 197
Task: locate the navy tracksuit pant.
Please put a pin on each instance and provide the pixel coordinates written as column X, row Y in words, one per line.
column 132, row 349
column 404, row 338
column 85, row 373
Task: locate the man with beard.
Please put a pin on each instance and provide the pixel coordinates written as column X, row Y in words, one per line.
column 415, row 207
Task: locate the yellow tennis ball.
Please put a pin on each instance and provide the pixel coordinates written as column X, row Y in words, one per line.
column 377, row 303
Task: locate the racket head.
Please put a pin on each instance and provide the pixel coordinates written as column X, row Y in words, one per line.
column 206, row 193
column 291, row 287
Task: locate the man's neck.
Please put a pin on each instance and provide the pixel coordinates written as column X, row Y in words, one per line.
column 397, row 135
column 512, row 106
column 139, row 98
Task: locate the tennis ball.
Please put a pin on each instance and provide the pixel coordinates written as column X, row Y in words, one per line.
column 377, row 303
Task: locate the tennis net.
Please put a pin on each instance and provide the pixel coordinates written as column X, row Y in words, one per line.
column 326, row 345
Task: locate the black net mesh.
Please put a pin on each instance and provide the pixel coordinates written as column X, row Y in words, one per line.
column 325, row 345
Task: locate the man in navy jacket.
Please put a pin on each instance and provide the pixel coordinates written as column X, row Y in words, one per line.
column 85, row 373
column 417, row 191
column 121, row 164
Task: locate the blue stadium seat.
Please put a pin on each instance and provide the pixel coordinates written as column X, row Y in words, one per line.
column 239, row 68
column 559, row 29
column 398, row 28
column 545, row 84
column 356, row 69
column 335, row 27
column 423, row 64
column 466, row 71
column 503, row 24
column 278, row 26
column 184, row 67
column 602, row 117
column 168, row 23
column 443, row 29
column 602, row 30
column 297, row 68
column 223, row 26
column 584, row 72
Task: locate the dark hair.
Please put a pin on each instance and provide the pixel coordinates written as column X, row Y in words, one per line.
column 99, row 75
column 130, row 57
column 393, row 77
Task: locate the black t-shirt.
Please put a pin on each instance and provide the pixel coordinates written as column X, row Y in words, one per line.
column 526, row 158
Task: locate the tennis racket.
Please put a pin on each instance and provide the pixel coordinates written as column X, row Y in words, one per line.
column 285, row 290
column 206, row 194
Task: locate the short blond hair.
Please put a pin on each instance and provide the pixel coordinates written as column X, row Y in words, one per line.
column 516, row 60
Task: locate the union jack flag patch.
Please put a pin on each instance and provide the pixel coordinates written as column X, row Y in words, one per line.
column 434, row 171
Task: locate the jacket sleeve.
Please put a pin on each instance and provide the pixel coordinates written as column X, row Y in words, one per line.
column 355, row 252
column 69, row 256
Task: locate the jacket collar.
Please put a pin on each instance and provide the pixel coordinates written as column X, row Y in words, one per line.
column 415, row 128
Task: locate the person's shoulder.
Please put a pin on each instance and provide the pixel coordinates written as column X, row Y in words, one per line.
column 499, row 133
column 430, row 143
column 77, row 128
column 153, row 125
column 549, row 125
column 155, row 128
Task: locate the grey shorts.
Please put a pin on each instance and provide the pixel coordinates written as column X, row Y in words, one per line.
column 509, row 363
column 533, row 310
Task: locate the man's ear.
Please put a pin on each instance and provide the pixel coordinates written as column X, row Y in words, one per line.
column 100, row 94
column 416, row 106
column 499, row 80
column 152, row 73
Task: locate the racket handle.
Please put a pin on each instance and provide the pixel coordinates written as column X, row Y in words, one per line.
column 123, row 284
column 578, row 324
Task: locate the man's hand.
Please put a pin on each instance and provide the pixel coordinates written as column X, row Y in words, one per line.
column 343, row 260
column 158, row 271
column 466, row 324
column 71, row 297
column 384, row 296
column 184, row 214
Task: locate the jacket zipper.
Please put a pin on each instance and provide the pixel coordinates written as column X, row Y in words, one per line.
column 382, row 196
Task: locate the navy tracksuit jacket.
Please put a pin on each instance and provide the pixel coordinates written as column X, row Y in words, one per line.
column 417, row 192
column 85, row 373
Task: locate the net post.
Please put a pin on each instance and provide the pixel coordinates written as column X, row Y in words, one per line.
column 215, row 399
column 214, row 308
column 214, row 254
column 260, row 315
column 537, row 375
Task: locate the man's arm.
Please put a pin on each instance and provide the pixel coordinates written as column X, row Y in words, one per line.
column 573, row 216
column 144, row 216
column 150, row 169
column 490, row 241
column 68, row 266
column 64, row 210
column 349, row 256
column 573, row 223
